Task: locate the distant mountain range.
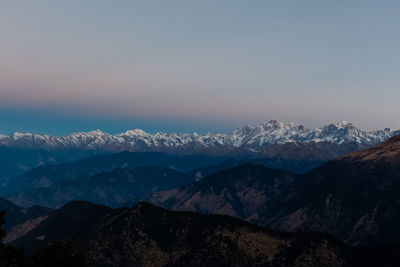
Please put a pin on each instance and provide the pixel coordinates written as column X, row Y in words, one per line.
column 246, row 139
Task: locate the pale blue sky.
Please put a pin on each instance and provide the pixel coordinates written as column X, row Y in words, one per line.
column 197, row 65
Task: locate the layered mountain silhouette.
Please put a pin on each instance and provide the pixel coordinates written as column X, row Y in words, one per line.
column 114, row 188
column 354, row 197
column 15, row 161
column 54, row 185
column 46, row 175
column 148, row 235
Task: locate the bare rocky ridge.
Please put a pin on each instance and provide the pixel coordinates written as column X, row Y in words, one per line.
column 388, row 151
column 249, row 192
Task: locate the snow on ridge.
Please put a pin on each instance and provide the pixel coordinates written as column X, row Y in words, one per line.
column 268, row 133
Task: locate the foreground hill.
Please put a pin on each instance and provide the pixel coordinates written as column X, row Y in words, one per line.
column 148, row 235
column 354, row 197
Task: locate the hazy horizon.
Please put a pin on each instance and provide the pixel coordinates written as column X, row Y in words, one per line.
column 186, row 66
column 174, row 129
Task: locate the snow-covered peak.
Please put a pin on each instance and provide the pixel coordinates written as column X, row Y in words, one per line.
column 343, row 124
column 19, row 135
column 247, row 137
column 273, row 123
column 96, row 132
column 244, row 130
column 135, row 132
column 271, row 132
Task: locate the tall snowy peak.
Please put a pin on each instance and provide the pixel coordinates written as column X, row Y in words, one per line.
column 272, row 132
column 345, row 132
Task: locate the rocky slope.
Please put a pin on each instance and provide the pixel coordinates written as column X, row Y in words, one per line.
column 249, row 192
column 16, row 215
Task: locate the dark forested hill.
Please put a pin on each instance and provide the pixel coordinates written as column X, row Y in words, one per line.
column 148, row 235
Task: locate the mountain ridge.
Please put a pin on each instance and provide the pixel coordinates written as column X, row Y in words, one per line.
column 247, row 137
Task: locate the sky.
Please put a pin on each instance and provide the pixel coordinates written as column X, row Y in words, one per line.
column 184, row 66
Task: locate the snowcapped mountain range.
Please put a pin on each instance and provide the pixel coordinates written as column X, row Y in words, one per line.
column 269, row 133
